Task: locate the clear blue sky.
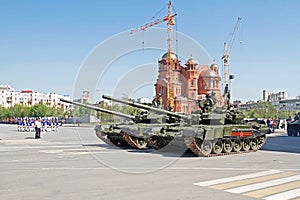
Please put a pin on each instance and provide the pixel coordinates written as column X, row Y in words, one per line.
column 44, row 43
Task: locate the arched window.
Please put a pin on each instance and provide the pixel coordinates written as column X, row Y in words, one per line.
column 192, row 82
column 207, row 83
column 161, row 90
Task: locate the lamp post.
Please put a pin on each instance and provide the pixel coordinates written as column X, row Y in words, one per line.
column 267, row 112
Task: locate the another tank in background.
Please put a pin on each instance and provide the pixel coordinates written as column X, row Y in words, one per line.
column 293, row 127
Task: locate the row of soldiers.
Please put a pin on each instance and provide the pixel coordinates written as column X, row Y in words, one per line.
column 28, row 124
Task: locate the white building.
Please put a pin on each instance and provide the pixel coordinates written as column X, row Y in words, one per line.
column 278, row 96
column 144, row 100
column 9, row 97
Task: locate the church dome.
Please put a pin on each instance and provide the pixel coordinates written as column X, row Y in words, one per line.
column 168, row 55
column 213, row 65
column 209, row 73
column 191, row 61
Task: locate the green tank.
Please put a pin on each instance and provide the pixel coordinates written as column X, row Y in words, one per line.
column 221, row 132
column 208, row 132
column 109, row 133
column 293, row 127
column 134, row 130
column 211, row 131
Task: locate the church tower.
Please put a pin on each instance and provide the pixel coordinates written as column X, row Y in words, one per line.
column 162, row 86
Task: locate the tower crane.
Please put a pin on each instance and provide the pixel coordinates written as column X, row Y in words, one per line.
column 225, row 57
column 170, row 22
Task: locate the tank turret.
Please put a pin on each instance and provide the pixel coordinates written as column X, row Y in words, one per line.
column 153, row 111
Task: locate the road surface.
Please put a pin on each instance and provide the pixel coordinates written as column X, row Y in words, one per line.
column 74, row 164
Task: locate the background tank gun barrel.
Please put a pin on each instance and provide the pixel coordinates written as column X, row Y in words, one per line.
column 99, row 109
column 149, row 108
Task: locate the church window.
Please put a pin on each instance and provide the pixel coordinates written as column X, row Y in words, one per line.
column 192, row 82
column 161, row 90
column 207, row 83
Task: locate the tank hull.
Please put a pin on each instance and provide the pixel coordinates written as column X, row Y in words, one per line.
column 202, row 140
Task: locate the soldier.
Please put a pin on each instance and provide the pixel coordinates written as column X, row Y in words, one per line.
column 157, row 101
column 38, row 126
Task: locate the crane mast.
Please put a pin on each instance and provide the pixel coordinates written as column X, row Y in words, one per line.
column 170, row 22
column 225, row 57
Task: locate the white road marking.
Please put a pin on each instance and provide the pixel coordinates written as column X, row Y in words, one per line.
column 285, row 195
column 261, row 185
column 236, row 178
column 252, row 189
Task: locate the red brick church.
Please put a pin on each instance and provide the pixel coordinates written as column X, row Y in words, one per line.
column 190, row 82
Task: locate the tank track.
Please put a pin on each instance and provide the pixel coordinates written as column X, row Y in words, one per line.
column 104, row 138
column 193, row 145
column 135, row 142
column 152, row 143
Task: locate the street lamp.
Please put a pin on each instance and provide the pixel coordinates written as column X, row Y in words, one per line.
column 98, row 91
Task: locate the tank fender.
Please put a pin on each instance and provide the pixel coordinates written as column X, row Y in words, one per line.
column 214, row 132
column 99, row 129
column 194, row 133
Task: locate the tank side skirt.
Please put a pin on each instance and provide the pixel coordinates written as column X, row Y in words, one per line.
column 250, row 141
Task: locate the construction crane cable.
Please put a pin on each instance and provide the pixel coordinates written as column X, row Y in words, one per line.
column 176, row 34
column 156, row 14
column 169, row 18
column 225, row 57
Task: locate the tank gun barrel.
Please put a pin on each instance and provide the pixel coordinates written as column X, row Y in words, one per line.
column 149, row 108
column 99, row 109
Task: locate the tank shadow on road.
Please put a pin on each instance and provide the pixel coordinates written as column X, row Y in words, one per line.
column 282, row 144
column 167, row 152
column 274, row 143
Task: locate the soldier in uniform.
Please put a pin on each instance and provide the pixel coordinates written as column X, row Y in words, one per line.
column 157, row 101
column 38, row 126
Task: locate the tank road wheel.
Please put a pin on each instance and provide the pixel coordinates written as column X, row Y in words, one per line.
column 141, row 144
column 217, row 147
column 206, row 147
column 246, row 145
column 227, row 146
column 262, row 140
column 237, row 145
column 254, row 144
column 135, row 142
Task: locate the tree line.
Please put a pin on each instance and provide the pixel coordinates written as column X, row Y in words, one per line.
column 37, row 110
column 267, row 110
column 262, row 110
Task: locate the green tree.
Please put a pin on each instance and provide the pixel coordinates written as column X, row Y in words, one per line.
column 79, row 111
column 8, row 112
column 20, row 110
column 39, row 110
column 267, row 110
column 2, row 112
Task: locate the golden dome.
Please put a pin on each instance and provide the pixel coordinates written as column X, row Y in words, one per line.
column 191, row 61
column 209, row 73
column 168, row 55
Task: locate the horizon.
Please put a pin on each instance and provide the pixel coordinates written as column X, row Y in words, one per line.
column 45, row 44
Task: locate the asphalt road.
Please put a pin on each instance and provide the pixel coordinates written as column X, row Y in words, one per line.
column 74, row 164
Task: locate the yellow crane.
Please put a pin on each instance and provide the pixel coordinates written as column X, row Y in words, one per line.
column 225, row 57
column 170, row 22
